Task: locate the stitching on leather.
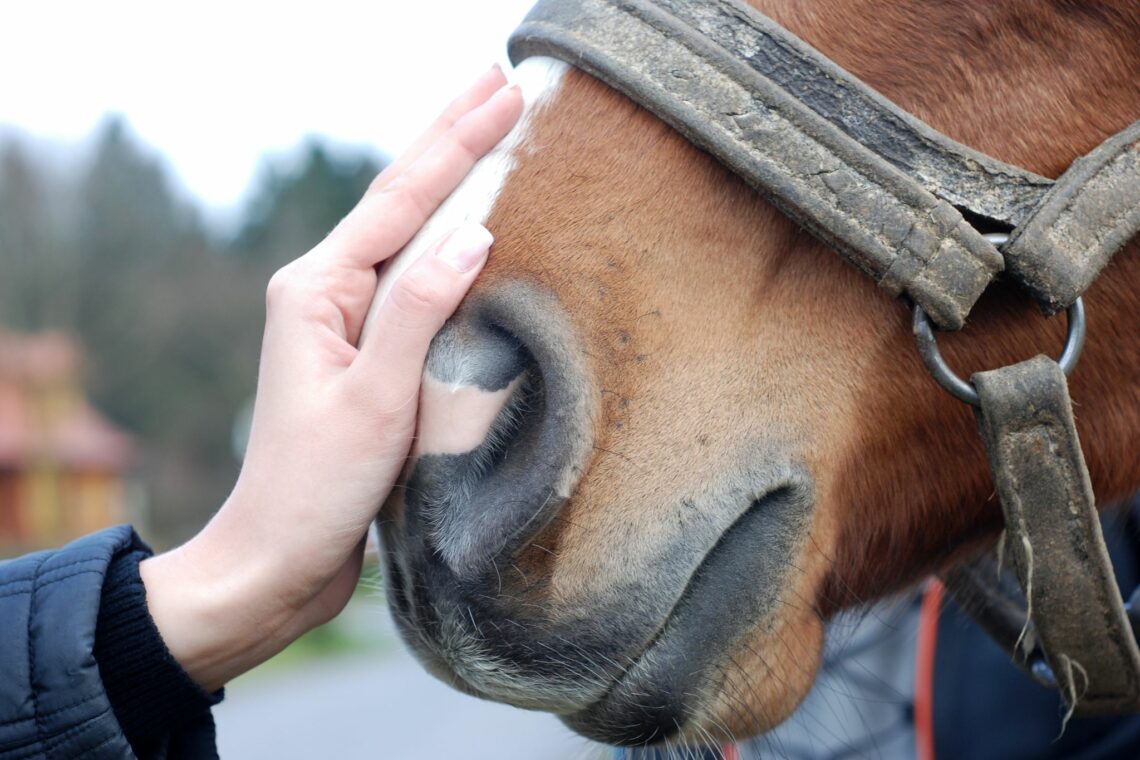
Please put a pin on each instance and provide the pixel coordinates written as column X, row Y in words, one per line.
column 41, row 748
column 15, row 592
column 95, row 570
column 103, row 743
column 23, row 579
column 78, row 729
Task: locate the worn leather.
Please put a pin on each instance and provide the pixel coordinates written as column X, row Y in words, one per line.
column 731, row 82
column 1053, row 538
column 1089, row 214
column 880, row 186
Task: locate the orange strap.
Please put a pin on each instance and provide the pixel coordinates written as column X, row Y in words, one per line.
column 924, row 670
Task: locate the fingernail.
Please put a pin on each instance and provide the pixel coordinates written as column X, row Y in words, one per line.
column 464, row 248
column 494, row 68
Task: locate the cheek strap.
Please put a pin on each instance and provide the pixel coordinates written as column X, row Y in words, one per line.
column 1064, row 620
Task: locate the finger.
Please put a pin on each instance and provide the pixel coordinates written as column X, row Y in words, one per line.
column 421, row 300
column 384, row 221
column 484, row 87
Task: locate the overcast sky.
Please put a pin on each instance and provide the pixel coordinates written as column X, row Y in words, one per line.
column 216, row 85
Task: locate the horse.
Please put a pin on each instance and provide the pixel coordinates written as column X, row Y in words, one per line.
column 669, row 435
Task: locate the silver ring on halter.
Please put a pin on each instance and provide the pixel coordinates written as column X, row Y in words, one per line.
column 959, row 388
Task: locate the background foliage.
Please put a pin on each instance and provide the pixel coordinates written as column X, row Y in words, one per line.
column 169, row 310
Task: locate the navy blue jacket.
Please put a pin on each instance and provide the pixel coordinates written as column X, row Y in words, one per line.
column 985, row 707
column 83, row 670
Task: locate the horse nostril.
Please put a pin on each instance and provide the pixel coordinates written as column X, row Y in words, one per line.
column 504, row 429
column 474, row 389
column 482, row 408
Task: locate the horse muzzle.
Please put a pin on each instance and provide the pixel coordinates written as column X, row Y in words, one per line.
column 505, row 432
column 477, row 568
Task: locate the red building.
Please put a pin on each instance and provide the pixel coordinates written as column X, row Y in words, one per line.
column 63, row 466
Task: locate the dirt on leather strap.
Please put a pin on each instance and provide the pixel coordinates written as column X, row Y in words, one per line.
column 878, row 185
column 1053, row 536
column 692, row 65
column 1090, row 213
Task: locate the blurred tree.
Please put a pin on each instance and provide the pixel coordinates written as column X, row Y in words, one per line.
column 128, row 213
column 30, row 255
column 130, row 233
column 292, row 210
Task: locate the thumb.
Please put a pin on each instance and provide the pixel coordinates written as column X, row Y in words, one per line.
column 419, row 302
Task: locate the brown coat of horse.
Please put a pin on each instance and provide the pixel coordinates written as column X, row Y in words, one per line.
column 717, row 434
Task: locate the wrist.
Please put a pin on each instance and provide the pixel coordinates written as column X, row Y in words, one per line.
column 215, row 610
column 148, row 689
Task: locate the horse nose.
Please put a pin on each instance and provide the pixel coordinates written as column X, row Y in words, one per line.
column 473, row 388
column 503, row 429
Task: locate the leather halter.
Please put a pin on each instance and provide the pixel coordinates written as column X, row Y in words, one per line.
column 894, row 197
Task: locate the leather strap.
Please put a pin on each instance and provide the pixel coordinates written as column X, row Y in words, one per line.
column 782, row 116
column 1091, row 212
column 1053, row 538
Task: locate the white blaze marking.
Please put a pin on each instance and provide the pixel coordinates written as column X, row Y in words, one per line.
column 475, row 197
column 455, row 418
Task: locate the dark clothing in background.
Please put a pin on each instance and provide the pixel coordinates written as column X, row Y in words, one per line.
column 985, row 707
column 83, row 670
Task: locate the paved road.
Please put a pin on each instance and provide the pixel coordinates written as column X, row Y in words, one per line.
column 384, row 706
column 380, row 707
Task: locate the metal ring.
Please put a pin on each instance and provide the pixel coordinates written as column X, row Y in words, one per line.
column 959, row 388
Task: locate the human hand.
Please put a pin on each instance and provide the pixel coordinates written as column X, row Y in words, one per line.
column 333, row 420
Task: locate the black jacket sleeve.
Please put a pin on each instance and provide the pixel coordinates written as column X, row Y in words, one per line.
column 83, row 670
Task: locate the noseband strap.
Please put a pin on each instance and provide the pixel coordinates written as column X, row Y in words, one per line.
column 729, row 80
column 891, row 194
column 881, row 187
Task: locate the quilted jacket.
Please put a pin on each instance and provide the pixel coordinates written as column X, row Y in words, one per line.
column 54, row 701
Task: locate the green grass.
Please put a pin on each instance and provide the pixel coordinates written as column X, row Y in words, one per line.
column 338, row 637
column 329, row 640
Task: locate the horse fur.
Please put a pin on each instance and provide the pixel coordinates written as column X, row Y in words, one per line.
column 715, row 334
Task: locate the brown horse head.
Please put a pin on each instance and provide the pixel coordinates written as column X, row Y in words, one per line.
column 668, row 433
